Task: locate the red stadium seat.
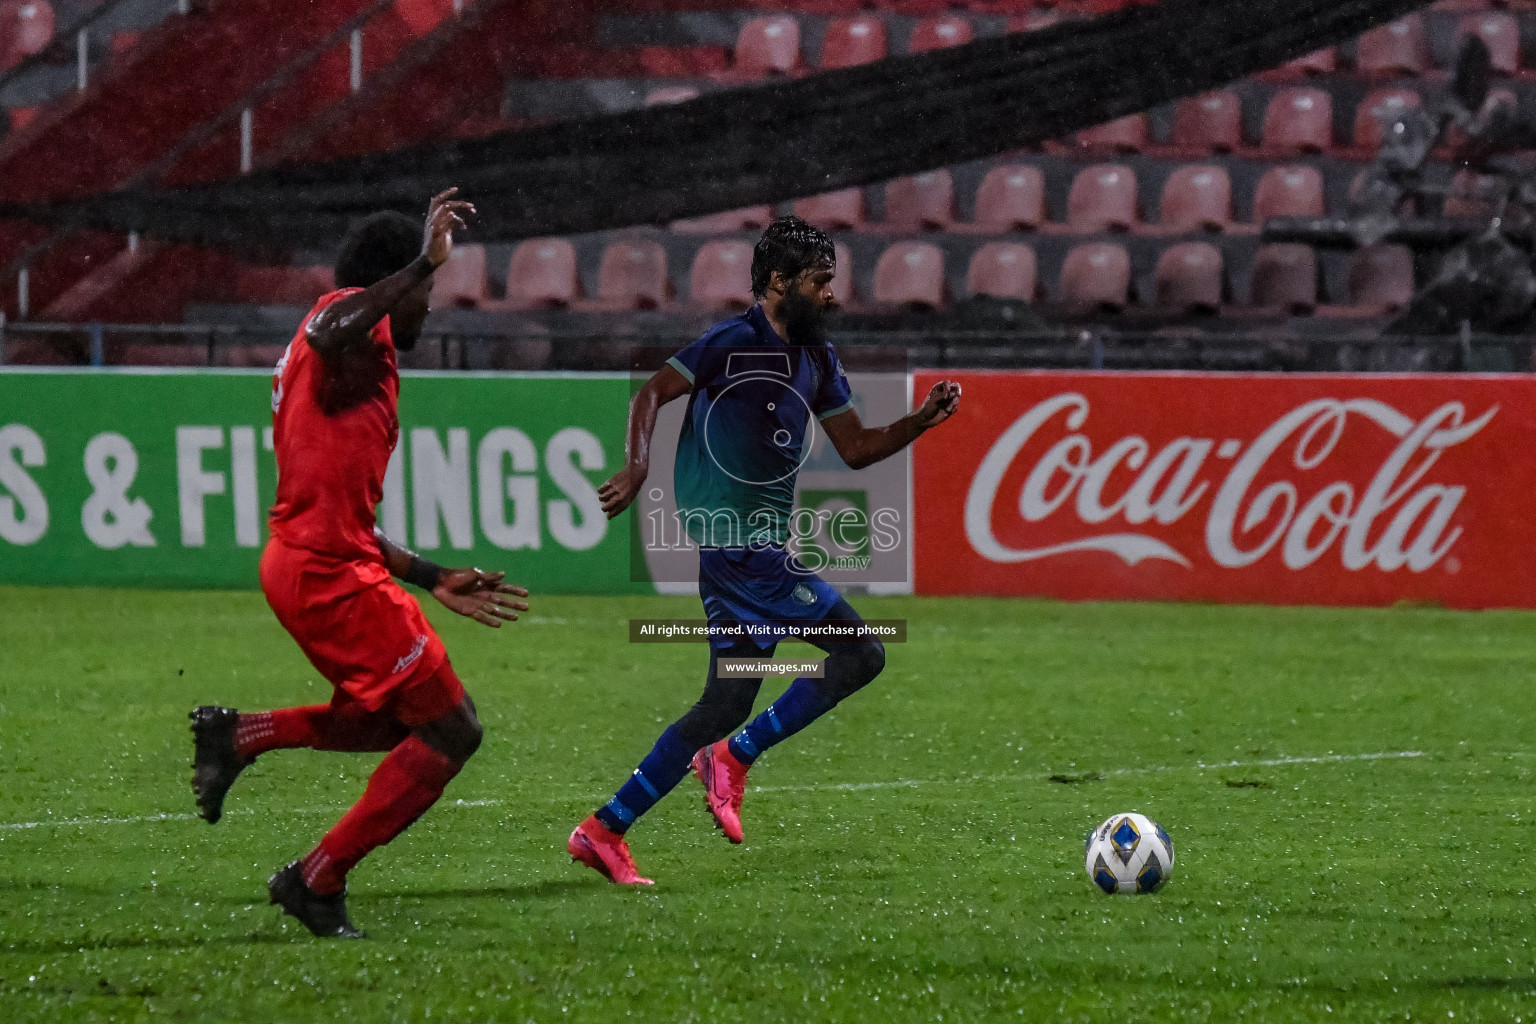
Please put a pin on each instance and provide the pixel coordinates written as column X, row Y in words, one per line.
column 1197, row 198
column 422, row 16
column 283, row 286
column 1209, row 123
column 26, row 26
column 1298, row 121
column 1381, row 278
column 1397, row 48
column 1096, row 276
column 1190, row 278
column 1502, row 34
column 910, row 274
column 633, row 275
column 938, row 33
column 1103, row 198
column 842, row 210
column 1391, row 102
column 851, row 41
column 1004, row 270
column 1456, row 136
column 1127, row 134
column 1308, row 65
column 923, row 202
column 1284, row 277
column 667, row 94
column 842, row 284
column 1472, row 195
column 751, row 218
column 1288, row 192
column 768, row 46
column 1034, row 21
column 1011, row 198
column 543, row 274
column 722, row 275
column 460, row 281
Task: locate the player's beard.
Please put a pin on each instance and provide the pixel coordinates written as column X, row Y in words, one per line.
column 805, row 319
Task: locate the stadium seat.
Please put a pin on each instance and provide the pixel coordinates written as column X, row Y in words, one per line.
column 1190, row 278
column 1209, row 123
column 1284, row 277
column 1103, row 198
column 1502, row 34
column 910, row 274
column 542, row 274
column 460, row 281
column 851, row 41
column 1034, row 21
column 667, row 94
column 722, row 275
column 1456, row 136
column 283, row 286
column 1127, row 134
column 751, row 218
column 1004, row 270
column 1397, row 48
column 1298, row 120
column 937, row 33
column 1380, row 278
column 1295, row 191
column 923, row 202
column 768, row 46
column 1472, row 195
column 1011, row 198
column 843, row 284
column 26, row 27
column 1391, row 102
column 842, row 210
column 1308, row 65
column 422, row 16
column 633, row 275
column 1096, row 276
column 1197, row 198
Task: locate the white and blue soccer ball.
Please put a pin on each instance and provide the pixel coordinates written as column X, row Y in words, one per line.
column 1129, row 853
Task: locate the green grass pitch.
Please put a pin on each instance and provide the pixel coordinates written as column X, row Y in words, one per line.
column 917, row 855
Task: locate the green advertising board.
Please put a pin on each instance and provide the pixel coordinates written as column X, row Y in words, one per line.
column 163, row 479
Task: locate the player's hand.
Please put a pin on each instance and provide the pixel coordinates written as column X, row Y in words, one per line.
column 943, row 400
column 481, row 596
column 444, row 215
column 620, row 490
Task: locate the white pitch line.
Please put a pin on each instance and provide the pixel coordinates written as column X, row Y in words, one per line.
column 832, row 787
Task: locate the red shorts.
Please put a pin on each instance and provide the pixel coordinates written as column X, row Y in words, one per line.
column 361, row 631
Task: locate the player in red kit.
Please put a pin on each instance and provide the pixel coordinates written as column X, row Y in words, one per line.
column 327, row 571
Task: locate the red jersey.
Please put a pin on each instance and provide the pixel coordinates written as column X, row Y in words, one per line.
column 334, row 427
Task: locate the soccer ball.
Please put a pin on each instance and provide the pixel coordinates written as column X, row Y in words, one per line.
column 1129, row 853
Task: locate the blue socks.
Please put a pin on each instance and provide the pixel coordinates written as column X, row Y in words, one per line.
column 662, row 769
column 796, row 708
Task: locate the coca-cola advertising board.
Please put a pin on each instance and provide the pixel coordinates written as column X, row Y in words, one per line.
column 1273, row 488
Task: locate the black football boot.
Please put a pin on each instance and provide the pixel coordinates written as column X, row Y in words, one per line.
column 324, row 916
column 215, row 765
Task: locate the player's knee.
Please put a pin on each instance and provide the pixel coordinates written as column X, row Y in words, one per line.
column 712, row 720
column 852, row 666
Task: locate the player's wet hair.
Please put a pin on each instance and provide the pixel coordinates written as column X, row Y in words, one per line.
column 377, row 246
column 790, row 246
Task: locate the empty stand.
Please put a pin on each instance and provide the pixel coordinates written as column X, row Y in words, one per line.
column 1004, row 270
column 1377, row 110
column 283, row 286
column 633, row 275
column 1190, row 278
column 842, row 283
column 1096, row 276
column 26, row 27
column 851, row 41
column 842, row 210
column 923, row 202
column 938, row 33
column 768, row 46
column 462, row 280
column 1397, row 48
column 1502, row 34
column 1284, row 277
column 752, row 218
column 1197, row 198
column 722, row 275
column 1294, row 191
column 1128, row 134
column 1298, row 120
column 910, row 274
column 543, row 274
column 1011, row 198
column 1380, row 278
column 1209, row 123
column 1103, row 198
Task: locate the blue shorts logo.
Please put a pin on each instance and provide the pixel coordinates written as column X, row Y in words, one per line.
column 804, row 594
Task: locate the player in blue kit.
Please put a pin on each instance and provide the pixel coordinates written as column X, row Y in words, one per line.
column 754, row 383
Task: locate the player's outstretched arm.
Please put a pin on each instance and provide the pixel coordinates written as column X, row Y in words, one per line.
column 862, row 446
column 349, row 322
column 620, row 490
column 478, row 595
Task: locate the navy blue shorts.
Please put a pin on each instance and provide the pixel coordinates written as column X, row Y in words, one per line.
column 762, row 588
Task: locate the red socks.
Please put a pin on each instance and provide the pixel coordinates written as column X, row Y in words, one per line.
column 407, row 782
column 319, row 727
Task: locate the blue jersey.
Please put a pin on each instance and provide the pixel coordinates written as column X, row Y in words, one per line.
column 755, row 401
